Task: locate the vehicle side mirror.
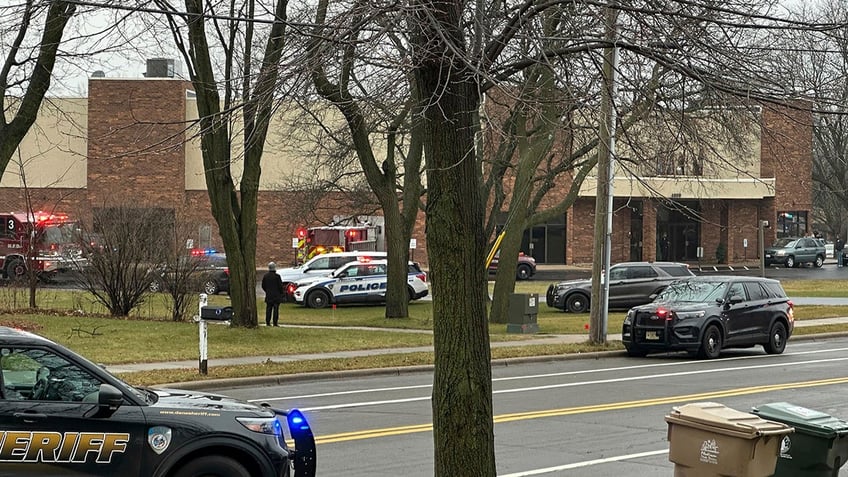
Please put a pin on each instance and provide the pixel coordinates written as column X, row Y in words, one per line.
column 653, row 296
column 110, row 397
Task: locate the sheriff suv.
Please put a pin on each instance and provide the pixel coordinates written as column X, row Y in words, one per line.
column 64, row 415
column 631, row 284
column 703, row 315
column 363, row 281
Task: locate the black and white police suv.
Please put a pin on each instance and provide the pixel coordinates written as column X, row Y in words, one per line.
column 61, row 414
column 363, row 281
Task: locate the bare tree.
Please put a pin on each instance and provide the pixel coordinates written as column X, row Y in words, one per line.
column 179, row 273
column 248, row 77
column 376, row 108
column 123, row 245
column 28, row 67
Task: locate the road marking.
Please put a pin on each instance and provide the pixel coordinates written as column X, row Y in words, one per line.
column 587, row 463
column 615, row 406
column 577, row 384
column 303, row 397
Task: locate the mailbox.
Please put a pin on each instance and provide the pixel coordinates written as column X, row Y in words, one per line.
column 216, row 313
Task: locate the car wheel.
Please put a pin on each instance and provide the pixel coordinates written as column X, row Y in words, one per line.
column 15, row 269
column 577, row 303
column 710, row 343
column 318, row 299
column 635, row 352
column 523, row 272
column 411, row 293
column 213, row 466
column 777, row 339
column 210, row 287
column 819, row 261
column 790, row 262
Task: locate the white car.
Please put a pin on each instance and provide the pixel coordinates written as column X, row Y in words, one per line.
column 320, row 266
column 357, row 282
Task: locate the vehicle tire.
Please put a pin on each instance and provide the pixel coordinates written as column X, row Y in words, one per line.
column 577, row 303
column 210, row 287
column 635, row 352
column 819, row 261
column 777, row 339
column 15, row 269
column 411, row 293
column 710, row 343
column 318, row 299
column 523, row 272
column 212, row 466
column 790, row 262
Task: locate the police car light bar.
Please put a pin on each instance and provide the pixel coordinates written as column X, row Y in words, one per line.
column 303, row 455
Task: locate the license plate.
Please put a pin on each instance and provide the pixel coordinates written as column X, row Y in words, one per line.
column 768, row 256
column 652, row 335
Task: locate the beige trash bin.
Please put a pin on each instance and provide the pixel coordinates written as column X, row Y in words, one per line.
column 708, row 439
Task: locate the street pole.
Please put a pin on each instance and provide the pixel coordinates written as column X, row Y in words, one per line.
column 762, row 225
column 606, row 175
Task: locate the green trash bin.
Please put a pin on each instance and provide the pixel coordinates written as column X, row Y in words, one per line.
column 819, row 446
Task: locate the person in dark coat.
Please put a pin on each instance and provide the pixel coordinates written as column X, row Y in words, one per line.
column 272, row 285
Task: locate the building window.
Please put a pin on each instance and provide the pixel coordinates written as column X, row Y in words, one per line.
column 791, row 223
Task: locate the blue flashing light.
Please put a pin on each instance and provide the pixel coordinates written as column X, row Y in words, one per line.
column 297, row 420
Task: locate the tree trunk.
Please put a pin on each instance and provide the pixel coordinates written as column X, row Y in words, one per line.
column 397, row 247
column 463, row 430
column 505, row 277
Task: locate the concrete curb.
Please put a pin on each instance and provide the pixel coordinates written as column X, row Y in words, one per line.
column 275, row 380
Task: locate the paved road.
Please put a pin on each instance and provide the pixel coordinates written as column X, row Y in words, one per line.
column 583, row 418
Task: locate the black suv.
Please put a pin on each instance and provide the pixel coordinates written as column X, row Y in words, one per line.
column 64, row 415
column 208, row 273
column 631, row 284
column 703, row 315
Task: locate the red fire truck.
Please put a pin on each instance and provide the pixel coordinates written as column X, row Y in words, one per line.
column 336, row 238
column 45, row 241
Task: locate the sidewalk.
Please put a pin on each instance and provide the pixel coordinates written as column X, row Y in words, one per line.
column 540, row 340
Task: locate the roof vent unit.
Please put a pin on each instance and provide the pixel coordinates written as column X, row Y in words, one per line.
column 98, row 74
column 160, row 68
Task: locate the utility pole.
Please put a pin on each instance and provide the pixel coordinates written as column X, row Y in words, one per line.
column 606, row 174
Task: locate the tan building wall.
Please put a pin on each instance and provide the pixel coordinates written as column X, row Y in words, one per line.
column 53, row 153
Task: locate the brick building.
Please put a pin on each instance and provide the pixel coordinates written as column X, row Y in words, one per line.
column 131, row 142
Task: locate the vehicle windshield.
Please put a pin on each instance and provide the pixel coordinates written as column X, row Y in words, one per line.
column 61, row 234
column 784, row 242
column 693, row 291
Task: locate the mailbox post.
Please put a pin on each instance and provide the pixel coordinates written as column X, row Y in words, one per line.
column 203, row 301
column 209, row 313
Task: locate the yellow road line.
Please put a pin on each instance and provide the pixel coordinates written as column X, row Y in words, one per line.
column 395, row 431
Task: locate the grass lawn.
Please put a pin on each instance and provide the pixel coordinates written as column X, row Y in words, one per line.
column 79, row 323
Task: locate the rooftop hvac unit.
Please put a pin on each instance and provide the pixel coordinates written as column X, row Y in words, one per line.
column 160, row 68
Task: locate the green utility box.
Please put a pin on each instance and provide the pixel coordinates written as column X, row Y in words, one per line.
column 522, row 313
column 819, row 446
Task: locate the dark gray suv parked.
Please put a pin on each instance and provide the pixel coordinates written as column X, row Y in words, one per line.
column 792, row 252
column 703, row 315
column 631, row 284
